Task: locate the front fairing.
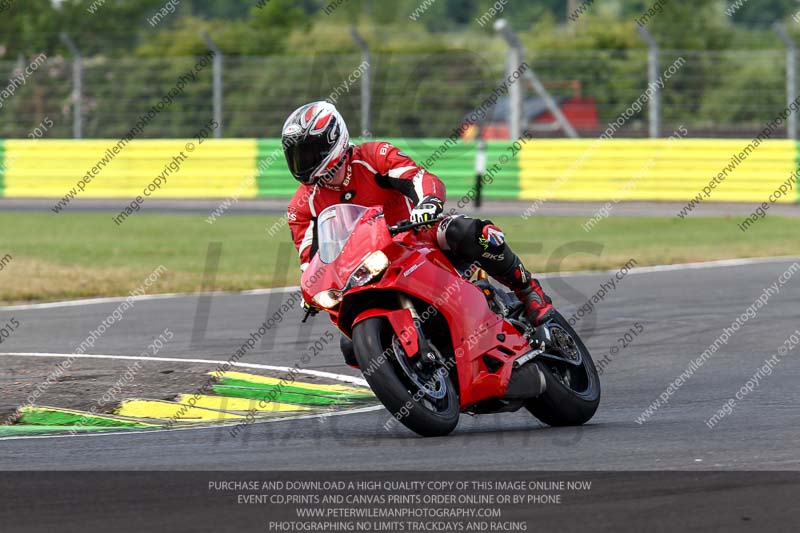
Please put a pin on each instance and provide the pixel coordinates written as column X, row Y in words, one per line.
column 369, row 235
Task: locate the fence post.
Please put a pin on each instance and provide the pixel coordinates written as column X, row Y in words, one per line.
column 791, row 78
column 515, row 95
column 217, row 81
column 480, row 170
column 366, row 83
column 516, row 55
column 654, row 104
column 516, row 98
column 77, row 86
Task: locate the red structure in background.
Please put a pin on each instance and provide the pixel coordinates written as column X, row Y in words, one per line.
column 580, row 112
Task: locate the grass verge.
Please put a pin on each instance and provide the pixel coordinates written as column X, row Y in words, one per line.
column 84, row 254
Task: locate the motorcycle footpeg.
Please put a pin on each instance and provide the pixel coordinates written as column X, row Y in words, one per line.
column 542, row 339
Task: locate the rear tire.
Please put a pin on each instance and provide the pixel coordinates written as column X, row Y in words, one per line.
column 372, row 340
column 560, row 405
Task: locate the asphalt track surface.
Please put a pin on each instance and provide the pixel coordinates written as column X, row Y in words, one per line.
column 682, row 311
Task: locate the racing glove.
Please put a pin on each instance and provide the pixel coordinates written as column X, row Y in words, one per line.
column 427, row 210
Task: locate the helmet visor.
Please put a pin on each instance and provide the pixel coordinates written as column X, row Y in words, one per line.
column 304, row 157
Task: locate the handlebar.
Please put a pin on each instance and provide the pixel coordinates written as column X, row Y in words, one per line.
column 405, row 225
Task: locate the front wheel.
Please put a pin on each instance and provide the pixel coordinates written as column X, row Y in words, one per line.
column 422, row 398
column 572, row 394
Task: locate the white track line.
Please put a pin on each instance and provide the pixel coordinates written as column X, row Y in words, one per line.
column 722, row 263
column 318, row 373
column 146, row 297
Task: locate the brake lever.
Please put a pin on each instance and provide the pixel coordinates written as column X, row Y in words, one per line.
column 400, row 227
column 310, row 311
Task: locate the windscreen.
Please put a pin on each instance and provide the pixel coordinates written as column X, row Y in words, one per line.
column 336, row 223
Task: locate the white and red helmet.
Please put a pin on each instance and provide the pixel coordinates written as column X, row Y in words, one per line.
column 315, row 142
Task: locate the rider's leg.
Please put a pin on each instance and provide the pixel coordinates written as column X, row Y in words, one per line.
column 479, row 240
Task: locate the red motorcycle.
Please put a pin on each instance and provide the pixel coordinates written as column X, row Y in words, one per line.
column 434, row 338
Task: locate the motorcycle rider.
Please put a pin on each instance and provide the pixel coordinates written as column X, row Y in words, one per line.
column 333, row 171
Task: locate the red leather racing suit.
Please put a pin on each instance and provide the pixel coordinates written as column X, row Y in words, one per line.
column 376, row 173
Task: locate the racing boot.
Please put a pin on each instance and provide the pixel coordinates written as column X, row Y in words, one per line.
column 538, row 306
column 500, row 262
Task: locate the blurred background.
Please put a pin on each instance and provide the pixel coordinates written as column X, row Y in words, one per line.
column 561, row 120
column 430, row 63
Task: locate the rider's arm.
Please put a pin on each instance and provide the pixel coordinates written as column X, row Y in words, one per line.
column 302, row 225
column 395, row 170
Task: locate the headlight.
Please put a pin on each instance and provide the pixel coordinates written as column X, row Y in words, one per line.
column 372, row 266
column 327, row 299
column 376, row 262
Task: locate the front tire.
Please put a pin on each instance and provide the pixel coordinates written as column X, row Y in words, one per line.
column 572, row 394
column 408, row 404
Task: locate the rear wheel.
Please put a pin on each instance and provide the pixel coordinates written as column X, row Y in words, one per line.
column 421, row 397
column 573, row 386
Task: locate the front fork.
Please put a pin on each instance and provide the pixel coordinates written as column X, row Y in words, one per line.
column 427, row 355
